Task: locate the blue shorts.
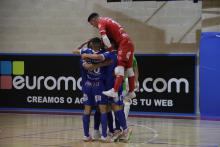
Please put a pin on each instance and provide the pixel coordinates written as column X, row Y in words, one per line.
column 92, row 93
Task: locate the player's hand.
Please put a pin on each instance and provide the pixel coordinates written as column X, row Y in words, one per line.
column 84, row 56
column 76, row 51
column 88, row 66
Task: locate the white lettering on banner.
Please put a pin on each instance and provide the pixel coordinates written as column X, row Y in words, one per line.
column 38, row 81
column 54, row 100
column 18, row 82
column 49, row 83
column 134, row 102
column 45, row 99
column 146, row 102
column 163, row 103
column 178, row 82
column 46, row 83
column 166, row 86
column 69, row 100
column 153, row 102
column 79, row 100
column 66, row 81
column 33, row 83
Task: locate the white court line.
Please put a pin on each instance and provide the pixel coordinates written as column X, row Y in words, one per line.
column 149, row 128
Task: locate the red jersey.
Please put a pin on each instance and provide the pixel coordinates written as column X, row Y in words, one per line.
column 112, row 29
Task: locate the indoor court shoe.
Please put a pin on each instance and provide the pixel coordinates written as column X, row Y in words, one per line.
column 106, row 139
column 96, row 135
column 117, row 134
column 126, row 135
column 130, row 95
column 110, row 134
column 87, row 139
column 110, row 93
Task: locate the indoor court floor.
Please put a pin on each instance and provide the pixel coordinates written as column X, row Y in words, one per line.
column 46, row 130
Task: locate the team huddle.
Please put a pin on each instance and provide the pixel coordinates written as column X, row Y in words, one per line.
column 103, row 72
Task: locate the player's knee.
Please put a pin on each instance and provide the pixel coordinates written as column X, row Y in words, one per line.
column 119, row 71
column 116, row 107
column 130, row 72
column 87, row 110
column 103, row 108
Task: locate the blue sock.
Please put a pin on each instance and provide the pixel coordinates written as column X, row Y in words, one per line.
column 86, row 121
column 104, row 124
column 110, row 122
column 97, row 120
column 117, row 125
column 120, row 116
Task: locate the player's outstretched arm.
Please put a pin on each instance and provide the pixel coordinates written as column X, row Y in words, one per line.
column 107, row 42
column 76, row 51
column 93, row 56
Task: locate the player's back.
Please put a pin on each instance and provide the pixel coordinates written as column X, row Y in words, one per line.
column 112, row 29
column 99, row 73
column 110, row 77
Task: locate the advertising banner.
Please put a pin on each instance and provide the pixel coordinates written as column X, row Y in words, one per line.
column 167, row 82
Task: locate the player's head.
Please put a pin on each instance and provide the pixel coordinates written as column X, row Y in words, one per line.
column 93, row 19
column 89, row 44
column 96, row 43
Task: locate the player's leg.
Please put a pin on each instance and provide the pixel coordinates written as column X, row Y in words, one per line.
column 125, row 60
column 130, row 72
column 117, row 129
column 102, row 102
column 97, row 121
column 88, row 101
column 104, row 119
column 127, row 104
column 120, row 116
column 119, row 71
column 86, row 122
column 117, row 125
column 110, row 122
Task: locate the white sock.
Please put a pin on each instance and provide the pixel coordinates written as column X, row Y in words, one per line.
column 127, row 109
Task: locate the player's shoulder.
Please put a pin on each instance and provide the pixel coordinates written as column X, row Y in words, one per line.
column 105, row 19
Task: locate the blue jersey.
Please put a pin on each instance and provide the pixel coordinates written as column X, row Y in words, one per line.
column 110, row 77
column 83, row 71
column 93, row 83
column 98, row 74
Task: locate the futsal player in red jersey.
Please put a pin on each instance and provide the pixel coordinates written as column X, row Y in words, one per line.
column 112, row 30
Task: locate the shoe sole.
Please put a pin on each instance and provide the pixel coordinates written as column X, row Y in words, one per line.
column 126, row 140
column 108, row 95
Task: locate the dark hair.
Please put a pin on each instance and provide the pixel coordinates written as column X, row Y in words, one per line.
column 89, row 44
column 96, row 40
column 93, row 15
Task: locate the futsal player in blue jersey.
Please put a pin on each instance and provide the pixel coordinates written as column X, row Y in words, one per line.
column 88, row 103
column 117, row 103
column 92, row 88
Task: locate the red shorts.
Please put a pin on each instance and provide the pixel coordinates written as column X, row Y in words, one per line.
column 125, row 53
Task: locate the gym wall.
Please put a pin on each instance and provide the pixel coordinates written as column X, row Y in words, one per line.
column 57, row 26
